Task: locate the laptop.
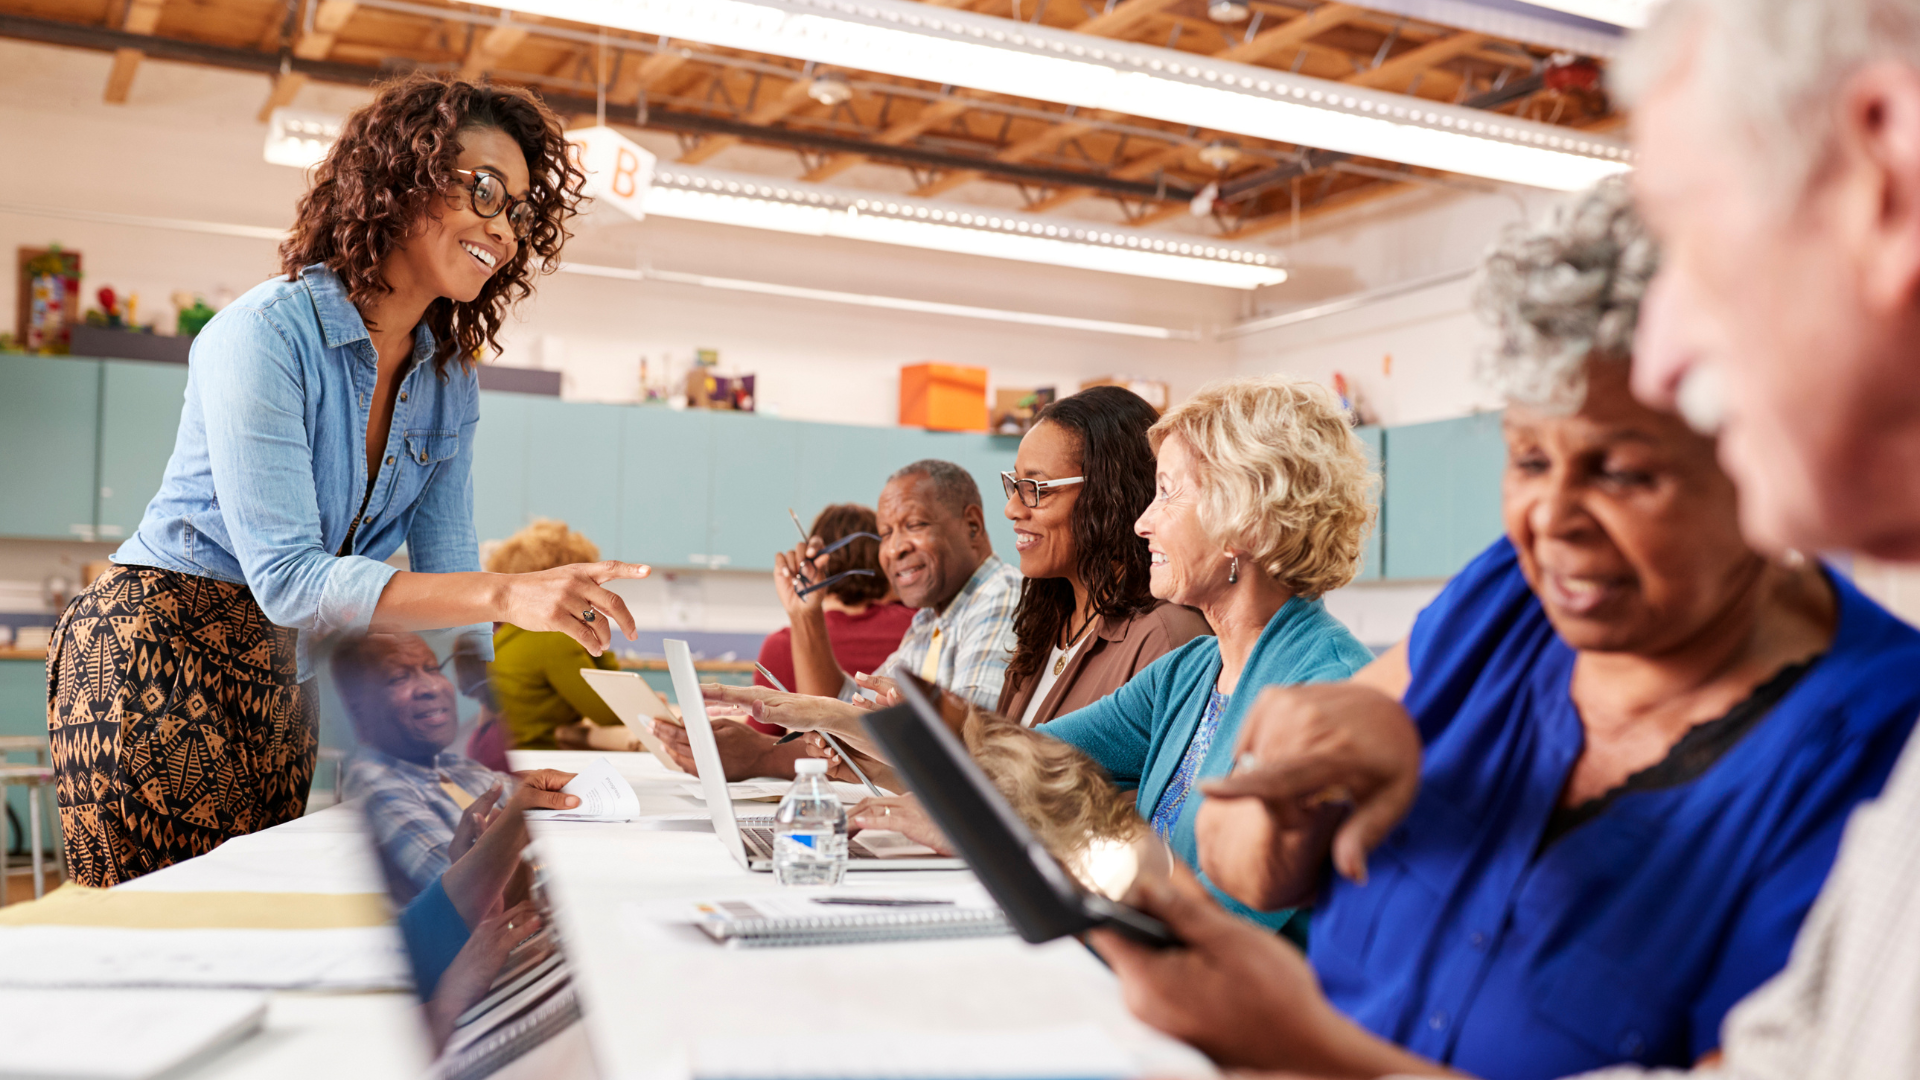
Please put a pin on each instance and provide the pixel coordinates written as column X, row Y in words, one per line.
column 634, row 702
column 750, row 840
column 1040, row 898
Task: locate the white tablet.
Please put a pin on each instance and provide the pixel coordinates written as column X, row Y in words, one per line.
column 635, row 703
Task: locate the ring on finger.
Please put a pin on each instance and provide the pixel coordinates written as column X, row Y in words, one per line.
column 588, row 615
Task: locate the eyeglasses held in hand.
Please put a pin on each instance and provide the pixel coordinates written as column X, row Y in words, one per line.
column 807, row 588
column 489, row 196
column 1031, row 490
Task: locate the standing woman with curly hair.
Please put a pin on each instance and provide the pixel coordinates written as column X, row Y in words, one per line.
column 329, row 419
column 1087, row 620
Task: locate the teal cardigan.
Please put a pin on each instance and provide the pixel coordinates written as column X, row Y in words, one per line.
column 1139, row 733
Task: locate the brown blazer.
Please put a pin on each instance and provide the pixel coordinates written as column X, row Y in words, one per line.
column 1116, row 654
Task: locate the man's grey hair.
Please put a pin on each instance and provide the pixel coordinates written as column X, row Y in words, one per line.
column 1773, row 68
column 1561, row 292
column 952, row 485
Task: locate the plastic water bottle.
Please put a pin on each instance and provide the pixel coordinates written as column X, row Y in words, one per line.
column 810, row 829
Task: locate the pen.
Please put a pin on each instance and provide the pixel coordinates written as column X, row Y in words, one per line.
column 879, row 901
column 796, row 524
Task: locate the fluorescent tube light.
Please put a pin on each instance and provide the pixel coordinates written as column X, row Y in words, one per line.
column 961, row 48
column 891, row 303
column 761, row 202
column 1632, row 14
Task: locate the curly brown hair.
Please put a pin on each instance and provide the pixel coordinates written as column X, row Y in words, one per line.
column 393, row 158
column 842, row 519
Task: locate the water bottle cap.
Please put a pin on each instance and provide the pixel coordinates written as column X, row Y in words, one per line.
column 810, row 766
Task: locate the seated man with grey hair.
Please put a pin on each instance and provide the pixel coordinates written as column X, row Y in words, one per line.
column 1605, row 775
column 936, row 553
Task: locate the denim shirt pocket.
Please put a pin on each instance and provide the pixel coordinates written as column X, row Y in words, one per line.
column 429, row 448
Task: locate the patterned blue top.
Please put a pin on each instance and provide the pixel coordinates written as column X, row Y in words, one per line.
column 1167, row 814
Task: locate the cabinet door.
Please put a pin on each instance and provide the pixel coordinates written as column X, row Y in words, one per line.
column 49, row 441
column 755, row 479
column 500, row 466
column 1443, row 497
column 573, row 467
column 845, row 464
column 139, row 422
column 1371, row 554
column 665, row 492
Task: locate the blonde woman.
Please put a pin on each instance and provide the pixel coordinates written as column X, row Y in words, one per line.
column 542, row 701
column 1262, row 501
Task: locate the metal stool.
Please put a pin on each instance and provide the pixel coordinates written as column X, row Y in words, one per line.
column 37, row 778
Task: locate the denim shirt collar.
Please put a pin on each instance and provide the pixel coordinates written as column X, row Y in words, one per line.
column 340, row 321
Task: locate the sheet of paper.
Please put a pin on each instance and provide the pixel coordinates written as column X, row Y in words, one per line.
column 149, row 1032
column 362, row 958
column 1078, row 1051
column 604, row 795
column 798, row 903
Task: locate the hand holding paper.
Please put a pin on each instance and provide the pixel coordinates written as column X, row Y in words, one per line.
column 604, row 795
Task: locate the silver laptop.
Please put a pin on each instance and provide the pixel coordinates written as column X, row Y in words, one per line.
column 750, row 840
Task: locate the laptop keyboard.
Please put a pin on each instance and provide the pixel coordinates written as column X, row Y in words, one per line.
column 757, row 832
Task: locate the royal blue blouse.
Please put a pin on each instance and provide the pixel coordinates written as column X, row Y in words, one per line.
column 1629, row 937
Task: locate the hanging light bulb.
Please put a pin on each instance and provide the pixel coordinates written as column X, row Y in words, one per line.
column 1219, row 155
column 829, row 90
column 1229, row 11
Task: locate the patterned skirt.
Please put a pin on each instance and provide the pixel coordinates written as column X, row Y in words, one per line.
column 177, row 722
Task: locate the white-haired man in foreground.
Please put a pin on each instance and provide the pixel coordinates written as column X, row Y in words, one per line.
column 1779, row 164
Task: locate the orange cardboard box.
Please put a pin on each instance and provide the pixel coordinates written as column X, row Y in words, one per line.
column 943, row 397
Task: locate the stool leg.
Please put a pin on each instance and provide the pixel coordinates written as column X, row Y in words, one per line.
column 33, row 816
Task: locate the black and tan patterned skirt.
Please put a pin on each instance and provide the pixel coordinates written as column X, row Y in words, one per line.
column 177, row 721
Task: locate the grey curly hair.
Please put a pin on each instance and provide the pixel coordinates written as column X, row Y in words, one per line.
column 1563, row 292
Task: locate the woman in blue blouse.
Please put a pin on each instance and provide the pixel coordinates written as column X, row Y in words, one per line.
column 1262, row 502
column 1634, row 740
column 329, row 419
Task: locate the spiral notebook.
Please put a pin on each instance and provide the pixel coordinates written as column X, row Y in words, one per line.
column 782, row 920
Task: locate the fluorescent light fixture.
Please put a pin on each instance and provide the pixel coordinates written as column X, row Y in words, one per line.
column 984, row 52
column 792, row 206
column 891, row 303
column 299, row 138
column 761, row 202
column 1632, row 14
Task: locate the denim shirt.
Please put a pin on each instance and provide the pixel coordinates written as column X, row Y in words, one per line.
column 270, row 464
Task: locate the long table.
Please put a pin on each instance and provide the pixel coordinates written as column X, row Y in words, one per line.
column 652, row 995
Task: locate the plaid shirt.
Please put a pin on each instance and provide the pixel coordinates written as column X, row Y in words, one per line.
column 976, row 637
column 411, row 815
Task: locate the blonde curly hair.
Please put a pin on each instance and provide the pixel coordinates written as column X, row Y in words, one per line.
column 1282, row 475
column 542, row 545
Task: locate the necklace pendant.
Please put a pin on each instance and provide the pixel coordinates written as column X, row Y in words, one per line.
column 1060, row 665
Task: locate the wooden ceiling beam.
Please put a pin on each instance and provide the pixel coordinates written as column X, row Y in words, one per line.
column 791, row 98
column 328, row 19
column 494, row 46
column 141, row 18
column 1397, row 72
column 1033, row 146
column 1138, row 169
column 932, row 115
column 639, row 76
column 1125, row 16
column 1292, row 33
column 286, row 87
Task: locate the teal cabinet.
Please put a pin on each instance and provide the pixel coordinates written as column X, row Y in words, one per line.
column 49, row 438
column 755, row 466
column 23, row 711
column 1443, row 500
column 665, row 492
column 573, row 464
column 139, row 422
column 1371, row 555
column 846, row 464
column 500, row 466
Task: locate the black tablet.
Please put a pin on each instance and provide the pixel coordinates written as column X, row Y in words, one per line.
column 1040, row 898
